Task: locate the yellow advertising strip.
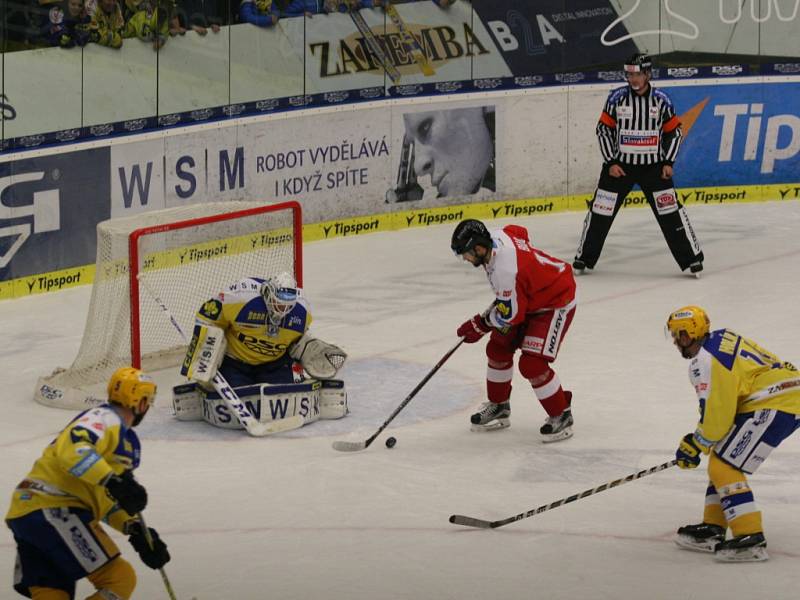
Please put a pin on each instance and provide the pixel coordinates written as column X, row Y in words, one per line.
column 47, row 282
column 394, row 221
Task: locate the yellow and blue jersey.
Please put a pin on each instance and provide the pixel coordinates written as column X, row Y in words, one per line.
column 733, row 375
column 242, row 313
column 72, row 468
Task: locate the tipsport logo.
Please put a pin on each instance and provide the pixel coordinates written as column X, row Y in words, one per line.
column 40, row 214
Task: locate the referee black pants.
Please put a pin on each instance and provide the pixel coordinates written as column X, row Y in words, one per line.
column 663, row 200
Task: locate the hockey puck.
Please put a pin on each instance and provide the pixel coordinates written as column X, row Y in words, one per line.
column 390, row 442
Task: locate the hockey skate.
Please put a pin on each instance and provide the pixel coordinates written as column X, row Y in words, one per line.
column 578, row 267
column 742, row 548
column 702, row 537
column 557, row 428
column 491, row 416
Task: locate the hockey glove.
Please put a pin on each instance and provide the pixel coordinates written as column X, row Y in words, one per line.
column 474, row 329
column 129, row 493
column 154, row 557
column 688, row 454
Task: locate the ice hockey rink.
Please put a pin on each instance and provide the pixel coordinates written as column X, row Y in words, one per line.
column 287, row 517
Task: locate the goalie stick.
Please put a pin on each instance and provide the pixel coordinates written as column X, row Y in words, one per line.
column 374, row 45
column 410, row 42
column 356, row 446
column 482, row 524
column 252, row 425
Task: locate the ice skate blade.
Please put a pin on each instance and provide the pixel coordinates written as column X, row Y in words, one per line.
column 757, row 554
column 492, row 426
column 549, row 438
column 687, row 543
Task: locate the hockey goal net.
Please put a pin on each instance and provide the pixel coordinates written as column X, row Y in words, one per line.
column 183, row 256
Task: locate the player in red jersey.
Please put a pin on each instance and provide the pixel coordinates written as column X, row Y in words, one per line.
column 532, row 311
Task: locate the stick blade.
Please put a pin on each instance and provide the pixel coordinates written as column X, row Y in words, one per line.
column 263, row 429
column 470, row 522
column 349, row 446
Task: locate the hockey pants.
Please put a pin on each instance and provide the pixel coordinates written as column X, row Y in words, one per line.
column 663, row 200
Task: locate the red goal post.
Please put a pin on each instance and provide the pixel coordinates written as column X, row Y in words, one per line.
column 186, row 255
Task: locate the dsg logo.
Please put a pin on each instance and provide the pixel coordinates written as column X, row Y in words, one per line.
column 44, row 210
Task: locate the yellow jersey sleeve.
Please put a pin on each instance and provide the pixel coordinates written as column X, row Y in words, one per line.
column 71, row 470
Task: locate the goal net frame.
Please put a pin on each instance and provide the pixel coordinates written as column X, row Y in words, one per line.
column 71, row 388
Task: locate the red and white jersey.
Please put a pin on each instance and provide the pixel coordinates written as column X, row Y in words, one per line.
column 525, row 280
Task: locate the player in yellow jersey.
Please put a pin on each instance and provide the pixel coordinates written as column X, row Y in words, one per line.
column 749, row 403
column 84, row 476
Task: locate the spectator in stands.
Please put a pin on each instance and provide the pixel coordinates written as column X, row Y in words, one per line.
column 202, row 15
column 151, row 23
column 67, row 25
column 107, row 24
column 263, row 13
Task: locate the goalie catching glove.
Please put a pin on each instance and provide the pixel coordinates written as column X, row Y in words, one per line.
column 321, row 360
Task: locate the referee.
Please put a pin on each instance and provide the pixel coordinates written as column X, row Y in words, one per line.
column 639, row 137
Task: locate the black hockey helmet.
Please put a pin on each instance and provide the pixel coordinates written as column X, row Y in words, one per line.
column 639, row 63
column 468, row 234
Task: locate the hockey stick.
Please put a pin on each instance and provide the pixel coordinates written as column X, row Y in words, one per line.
column 480, row 523
column 410, row 42
column 356, row 446
column 252, row 425
column 374, row 45
column 149, row 539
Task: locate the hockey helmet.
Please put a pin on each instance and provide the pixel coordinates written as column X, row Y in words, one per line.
column 638, row 63
column 280, row 294
column 128, row 387
column 690, row 319
column 468, row 234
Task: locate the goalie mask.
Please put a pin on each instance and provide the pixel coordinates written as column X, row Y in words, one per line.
column 132, row 389
column 280, row 296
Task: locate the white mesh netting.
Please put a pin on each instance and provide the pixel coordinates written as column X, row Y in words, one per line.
column 183, row 266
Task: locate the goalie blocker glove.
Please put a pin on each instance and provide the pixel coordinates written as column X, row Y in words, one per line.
column 155, row 556
column 129, row 493
column 474, row 329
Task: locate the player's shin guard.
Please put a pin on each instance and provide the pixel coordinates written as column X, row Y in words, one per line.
column 115, row 579
column 498, row 380
column 712, row 513
column 736, row 497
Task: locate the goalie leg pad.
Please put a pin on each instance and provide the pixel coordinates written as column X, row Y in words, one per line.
column 266, row 402
column 187, row 402
column 321, row 360
column 204, row 354
column 333, row 399
column 286, row 400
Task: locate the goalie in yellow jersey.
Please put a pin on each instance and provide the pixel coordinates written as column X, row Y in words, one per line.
column 84, row 476
column 749, row 403
column 256, row 334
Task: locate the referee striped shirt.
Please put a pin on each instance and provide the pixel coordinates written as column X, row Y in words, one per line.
column 638, row 130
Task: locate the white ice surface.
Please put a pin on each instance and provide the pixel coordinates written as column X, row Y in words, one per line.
column 287, row 517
